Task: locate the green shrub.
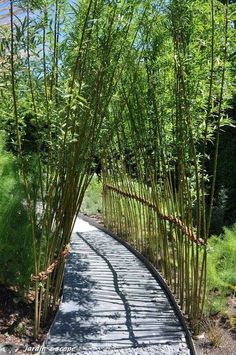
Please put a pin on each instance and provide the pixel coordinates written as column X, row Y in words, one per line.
column 92, row 202
column 221, row 269
column 16, row 256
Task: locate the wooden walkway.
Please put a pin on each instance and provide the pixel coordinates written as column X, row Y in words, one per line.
column 112, row 304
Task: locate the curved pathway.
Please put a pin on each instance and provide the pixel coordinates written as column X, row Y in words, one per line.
column 112, row 304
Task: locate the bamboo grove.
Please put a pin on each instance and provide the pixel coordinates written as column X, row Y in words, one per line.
column 128, row 84
column 172, row 105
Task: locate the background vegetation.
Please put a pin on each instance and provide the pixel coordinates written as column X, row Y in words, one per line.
column 16, row 262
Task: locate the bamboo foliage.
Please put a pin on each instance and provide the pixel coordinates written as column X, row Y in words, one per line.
column 155, row 185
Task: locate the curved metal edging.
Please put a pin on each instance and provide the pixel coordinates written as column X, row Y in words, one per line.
column 155, row 274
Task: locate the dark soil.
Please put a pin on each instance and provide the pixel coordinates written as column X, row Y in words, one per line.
column 218, row 335
column 16, row 321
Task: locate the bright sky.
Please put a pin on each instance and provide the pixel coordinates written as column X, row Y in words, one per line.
column 4, row 12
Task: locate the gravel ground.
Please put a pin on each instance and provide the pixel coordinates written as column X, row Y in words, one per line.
column 149, row 350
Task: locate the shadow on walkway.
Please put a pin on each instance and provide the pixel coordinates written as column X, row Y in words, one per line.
column 111, row 301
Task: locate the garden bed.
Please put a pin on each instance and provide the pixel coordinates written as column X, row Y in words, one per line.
column 218, row 337
column 17, row 319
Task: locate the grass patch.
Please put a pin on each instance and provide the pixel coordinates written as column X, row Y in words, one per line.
column 92, row 202
column 221, row 270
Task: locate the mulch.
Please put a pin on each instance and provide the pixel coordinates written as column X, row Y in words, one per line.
column 16, row 320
